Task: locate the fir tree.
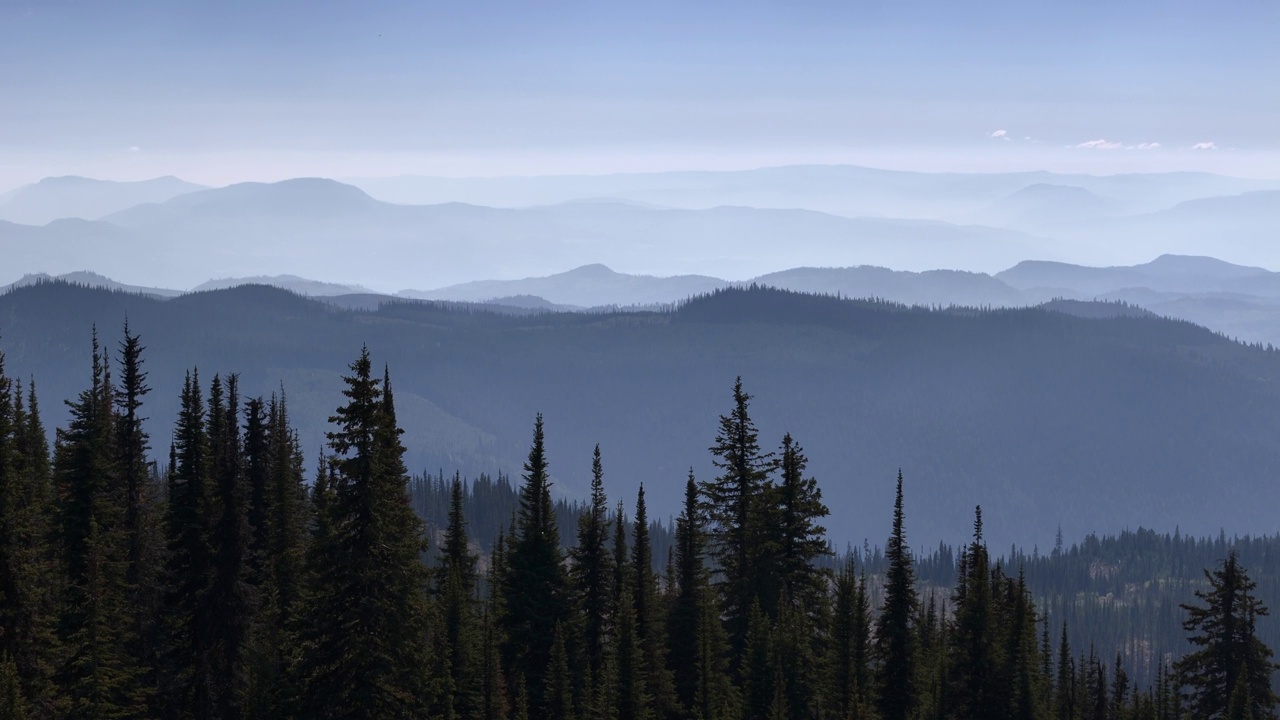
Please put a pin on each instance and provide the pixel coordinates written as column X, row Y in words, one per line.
column 632, row 695
column 650, row 623
column 231, row 601
column 456, row 588
column 369, row 656
column 142, row 531
column 895, row 648
column 592, row 571
column 1228, row 652
column 733, row 505
column 536, row 594
column 186, row 687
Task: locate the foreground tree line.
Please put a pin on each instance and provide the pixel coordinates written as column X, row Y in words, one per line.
column 222, row 585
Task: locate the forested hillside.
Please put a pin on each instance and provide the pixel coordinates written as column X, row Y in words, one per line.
column 221, row 584
column 1046, row 419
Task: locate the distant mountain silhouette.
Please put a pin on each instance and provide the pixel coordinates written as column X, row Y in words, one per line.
column 292, row 283
column 321, row 228
column 586, row 286
column 840, row 189
column 1167, row 273
column 89, row 279
column 77, row 197
column 1044, row 205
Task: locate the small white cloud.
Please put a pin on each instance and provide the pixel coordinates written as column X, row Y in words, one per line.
column 1001, row 134
column 134, row 148
column 1144, row 146
column 1205, row 146
column 1100, row 144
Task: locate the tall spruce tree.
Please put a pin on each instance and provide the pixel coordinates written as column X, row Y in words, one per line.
column 1228, row 657
column 27, row 582
column 99, row 678
column 734, row 507
column 801, row 540
column 368, row 657
column 231, row 600
column 632, row 694
column 592, row 572
column 537, row 592
column 650, row 619
column 976, row 688
column 896, row 677
column 143, row 536
column 456, row 583
column 186, row 679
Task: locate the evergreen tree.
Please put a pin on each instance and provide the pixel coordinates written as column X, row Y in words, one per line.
column 186, row 687
column 368, row 655
column 801, row 540
column 849, row 628
column 536, row 594
column 632, row 695
column 456, row 583
column 231, row 601
column 592, row 571
column 976, row 689
column 734, row 508
column 1228, row 652
column 650, row 623
column 98, row 676
column 142, row 531
column 1064, row 701
column 27, row 581
column 895, row 647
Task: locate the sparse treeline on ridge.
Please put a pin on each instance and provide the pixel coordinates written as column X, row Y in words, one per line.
column 223, row 584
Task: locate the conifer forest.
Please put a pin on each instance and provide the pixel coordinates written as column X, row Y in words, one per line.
column 209, row 575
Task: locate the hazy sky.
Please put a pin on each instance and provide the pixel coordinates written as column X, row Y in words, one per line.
column 224, row 91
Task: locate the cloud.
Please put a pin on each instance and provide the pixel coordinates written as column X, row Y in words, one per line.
column 1001, row 134
column 1205, row 146
column 1100, row 144
column 1144, row 146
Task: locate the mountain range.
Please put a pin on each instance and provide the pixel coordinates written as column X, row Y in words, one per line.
column 992, row 407
column 166, row 232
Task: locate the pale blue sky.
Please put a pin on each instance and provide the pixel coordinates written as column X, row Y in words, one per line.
column 221, row 91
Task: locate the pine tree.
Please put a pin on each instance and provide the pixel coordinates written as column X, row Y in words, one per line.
column 1064, row 701
column 895, row 649
column 734, row 508
column 759, row 666
column 632, row 694
column 801, row 541
column 456, row 583
column 536, row 594
column 650, row 622
column 1228, row 650
column 142, row 531
column 976, row 690
column 368, row 656
column 559, row 683
column 688, row 596
column 846, row 699
column 186, row 683
column 231, row 600
column 591, row 572
column 98, row 676
column 27, row 611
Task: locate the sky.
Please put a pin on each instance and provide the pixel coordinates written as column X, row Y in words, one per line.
column 218, row 92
